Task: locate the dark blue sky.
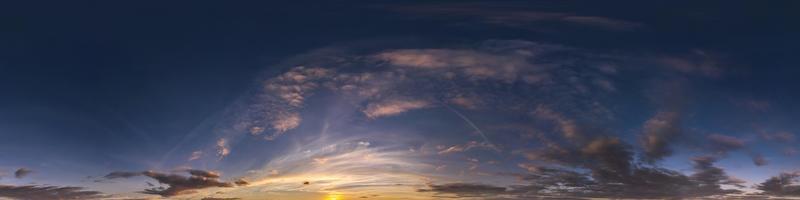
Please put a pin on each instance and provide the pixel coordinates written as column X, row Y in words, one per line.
column 93, row 87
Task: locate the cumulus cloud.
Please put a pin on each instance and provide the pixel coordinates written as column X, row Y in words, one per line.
column 177, row 184
column 34, row 192
column 22, row 172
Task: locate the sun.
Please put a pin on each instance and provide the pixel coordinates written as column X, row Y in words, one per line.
column 334, row 197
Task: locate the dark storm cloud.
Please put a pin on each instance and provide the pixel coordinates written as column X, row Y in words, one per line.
column 784, row 184
column 178, row 184
column 22, row 172
column 33, row 192
column 464, row 189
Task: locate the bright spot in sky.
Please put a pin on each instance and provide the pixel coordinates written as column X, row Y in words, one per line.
column 334, row 197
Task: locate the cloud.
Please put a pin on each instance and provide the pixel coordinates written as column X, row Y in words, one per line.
column 222, row 148
column 241, row 182
column 34, row 192
column 121, row 174
column 218, row 198
column 754, row 105
column 515, row 16
column 780, row 136
column 468, row 63
column 393, row 107
column 602, row 22
column 657, row 134
column 695, row 63
column 22, row 172
column 177, row 184
column 569, row 97
column 195, row 155
column 344, row 164
column 283, row 123
column 613, row 172
column 710, row 177
column 203, row 173
column 759, row 159
column 784, row 184
column 608, row 181
column 465, row 147
column 724, row 143
column 464, row 189
column 568, row 127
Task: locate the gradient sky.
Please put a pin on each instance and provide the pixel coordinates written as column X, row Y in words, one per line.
column 399, row 100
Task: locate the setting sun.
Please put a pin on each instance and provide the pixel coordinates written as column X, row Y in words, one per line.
column 334, row 197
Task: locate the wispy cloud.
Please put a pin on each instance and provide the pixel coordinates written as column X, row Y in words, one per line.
column 516, row 16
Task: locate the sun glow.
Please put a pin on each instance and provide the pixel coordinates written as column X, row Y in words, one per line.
column 334, row 197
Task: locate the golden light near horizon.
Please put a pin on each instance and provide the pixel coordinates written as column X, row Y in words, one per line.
column 334, row 197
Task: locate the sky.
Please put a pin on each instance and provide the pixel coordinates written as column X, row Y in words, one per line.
column 334, row 100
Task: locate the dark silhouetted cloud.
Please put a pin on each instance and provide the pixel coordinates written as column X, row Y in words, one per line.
column 464, row 189
column 22, row 172
column 33, row 192
column 784, row 184
column 203, row 173
column 178, row 184
column 218, row 198
column 759, row 159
